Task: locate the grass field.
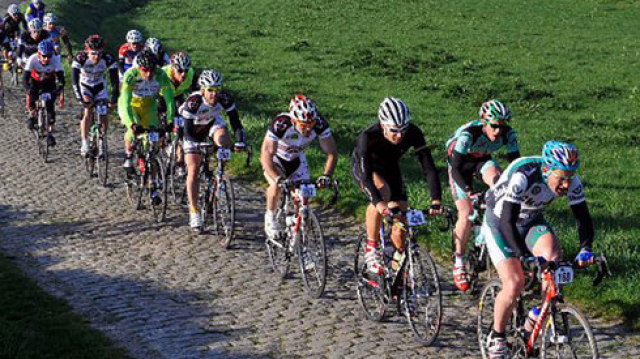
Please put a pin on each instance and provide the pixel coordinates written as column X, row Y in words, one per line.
column 566, row 69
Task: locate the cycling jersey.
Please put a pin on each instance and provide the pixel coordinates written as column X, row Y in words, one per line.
column 90, row 78
column 39, row 78
column 183, row 87
column 39, row 72
column 469, row 150
column 12, row 26
column 28, row 46
column 59, row 34
column 201, row 119
column 126, row 55
column 292, row 143
column 137, row 102
column 374, row 153
column 33, row 12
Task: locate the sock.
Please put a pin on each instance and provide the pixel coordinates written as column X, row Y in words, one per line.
column 458, row 260
column 496, row 334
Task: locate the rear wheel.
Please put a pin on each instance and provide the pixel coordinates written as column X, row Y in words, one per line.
column 422, row 298
column 103, row 159
column 225, row 212
column 568, row 334
column 176, row 183
column 279, row 256
column 89, row 158
column 312, row 256
column 486, row 306
column 371, row 288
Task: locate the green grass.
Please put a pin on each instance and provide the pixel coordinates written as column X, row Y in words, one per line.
column 566, row 69
column 33, row 324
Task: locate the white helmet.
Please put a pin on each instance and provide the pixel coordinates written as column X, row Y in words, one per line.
column 50, row 18
column 134, row 36
column 394, row 112
column 210, row 78
column 303, row 109
column 13, row 9
column 35, row 25
column 154, row 45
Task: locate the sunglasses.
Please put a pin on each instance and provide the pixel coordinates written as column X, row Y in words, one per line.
column 213, row 89
column 306, row 124
column 496, row 126
column 94, row 53
column 397, row 130
column 46, row 56
column 569, row 177
column 181, row 72
column 145, row 69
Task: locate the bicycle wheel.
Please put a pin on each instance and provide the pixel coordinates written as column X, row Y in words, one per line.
column 159, row 209
column 371, row 289
column 279, row 255
column 225, row 214
column 567, row 334
column 43, row 122
column 312, row 256
column 176, row 183
column 89, row 159
column 103, row 159
column 142, row 189
column 421, row 295
column 486, row 306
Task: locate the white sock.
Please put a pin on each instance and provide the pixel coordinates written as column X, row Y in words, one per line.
column 458, row 260
column 84, row 142
column 270, row 214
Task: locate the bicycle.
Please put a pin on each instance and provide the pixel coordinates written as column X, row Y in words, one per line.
column 565, row 330
column 98, row 149
column 13, row 65
column 302, row 235
column 41, row 131
column 415, row 284
column 176, row 183
column 148, row 174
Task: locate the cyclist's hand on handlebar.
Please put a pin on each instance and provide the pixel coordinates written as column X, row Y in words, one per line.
column 324, row 181
column 283, row 181
column 239, row 146
column 585, row 258
column 435, row 208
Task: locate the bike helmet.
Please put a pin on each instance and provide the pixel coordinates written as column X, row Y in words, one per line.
column 394, row 112
column 35, row 25
column 560, row 156
column 45, row 48
column 180, row 61
column 302, row 109
column 147, row 60
column 210, row 78
column 154, row 45
column 94, row 43
column 134, row 36
column 494, row 110
column 13, row 9
column 50, row 18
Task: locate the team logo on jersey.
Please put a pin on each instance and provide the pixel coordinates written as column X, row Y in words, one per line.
column 536, row 190
column 517, row 189
column 578, row 189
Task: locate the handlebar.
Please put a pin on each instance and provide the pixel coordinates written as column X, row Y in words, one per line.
column 446, row 213
column 550, row 266
column 288, row 185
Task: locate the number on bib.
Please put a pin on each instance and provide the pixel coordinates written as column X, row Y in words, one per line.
column 45, row 96
column 153, row 136
column 415, row 218
column 101, row 110
column 178, row 121
column 564, row 275
column 308, row 190
column 224, row 154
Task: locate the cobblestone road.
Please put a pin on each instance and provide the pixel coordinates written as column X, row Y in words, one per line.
column 163, row 292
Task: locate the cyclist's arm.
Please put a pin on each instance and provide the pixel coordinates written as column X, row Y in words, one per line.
column 26, row 74
column 189, row 111
column 328, row 145
column 67, row 42
column 76, row 66
column 124, row 101
column 508, row 220
column 166, row 90
column 585, row 224
column 21, row 47
column 457, row 163
column 361, row 153
column 115, row 84
column 269, row 148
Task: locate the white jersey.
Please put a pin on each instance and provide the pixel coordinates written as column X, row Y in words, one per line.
column 41, row 72
column 93, row 74
column 523, row 183
column 291, row 142
column 200, row 117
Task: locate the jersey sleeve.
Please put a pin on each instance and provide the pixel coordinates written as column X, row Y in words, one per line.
column 29, row 66
column 278, row 127
column 110, row 61
column 226, row 100
column 575, row 195
column 166, row 90
column 515, row 188
column 190, row 107
column 57, row 65
column 512, row 141
column 322, row 128
column 79, row 60
column 124, row 101
column 463, row 144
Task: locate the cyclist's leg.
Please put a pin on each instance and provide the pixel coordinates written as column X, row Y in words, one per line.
column 31, row 99
column 373, row 217
column 87, row 116
column 397, row 199
column 50, row 86
column 192, row 160
column 461, row 232
column 490, row 172
column 542, row 242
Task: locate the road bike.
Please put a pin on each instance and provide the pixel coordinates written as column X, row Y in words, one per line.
column 98, row 155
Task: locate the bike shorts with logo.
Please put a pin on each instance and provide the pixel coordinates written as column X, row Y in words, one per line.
column 470, row 170
column 35, row 89
column 392, row 176
column 295, row 170
column 95, row 93
column 499, row 247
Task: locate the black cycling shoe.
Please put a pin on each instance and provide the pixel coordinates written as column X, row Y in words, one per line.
column 51, row 141
column 31, row 123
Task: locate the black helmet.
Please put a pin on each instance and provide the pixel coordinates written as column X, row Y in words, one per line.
column 147, row 60
column 94, row 43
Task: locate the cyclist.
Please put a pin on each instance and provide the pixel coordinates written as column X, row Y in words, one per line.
column 514, row 225
column 35, row 10
column 375, row 167
column 88, row 73
column 283, row 157
column 181, row 75
column 28, row 44
column 41, row 71
column 12, row 22
column 202, row 120
column 154, row 45
column 469, row 155
column 129, row 50
column 58, row 34
column 137, row 105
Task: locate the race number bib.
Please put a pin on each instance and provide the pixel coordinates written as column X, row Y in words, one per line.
column 308, row 190
column 178, row 121
column 224, row 154
column 415, row 218
column 153, row 137
column 45, row 96
column 101, row 110
column 564, row 275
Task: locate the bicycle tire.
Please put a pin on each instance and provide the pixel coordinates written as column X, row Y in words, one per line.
column 159, row 211
column 225, row 212
column 312, row 242
column 422, row 287
column 44, row 122
column 103, row 159
column 279, row 258
column 485, row 316
column 371, row 291
column 566, row 338
column 176, row 187
column 142, row 189
column 89, row 159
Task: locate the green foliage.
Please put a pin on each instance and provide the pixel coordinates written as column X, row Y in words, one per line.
column 567, row 69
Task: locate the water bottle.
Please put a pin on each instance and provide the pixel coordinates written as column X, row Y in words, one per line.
column 397, row 259
column 531, row 319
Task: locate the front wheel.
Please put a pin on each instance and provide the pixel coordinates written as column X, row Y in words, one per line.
column 225, row 215
column 279, row 255
column 312, row 256
column 159, row 207
column 486, row 307
column 371, row 288
column 422, row 297
column 567, row 334
column 103, row 159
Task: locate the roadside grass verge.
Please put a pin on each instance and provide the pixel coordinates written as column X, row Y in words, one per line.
column 567, row 69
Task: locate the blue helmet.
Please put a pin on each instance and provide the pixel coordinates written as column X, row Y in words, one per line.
column 45, row 48
column 560, row 156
